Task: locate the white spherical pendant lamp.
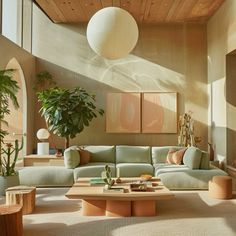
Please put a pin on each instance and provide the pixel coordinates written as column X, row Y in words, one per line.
column 112, row 32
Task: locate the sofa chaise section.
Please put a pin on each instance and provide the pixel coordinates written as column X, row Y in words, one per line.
column 44, row 176
column 182, row 176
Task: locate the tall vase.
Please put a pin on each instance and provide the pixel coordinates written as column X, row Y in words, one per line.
column 7, row 182
column 211, row 152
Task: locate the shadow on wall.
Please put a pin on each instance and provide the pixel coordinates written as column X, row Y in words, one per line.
column 161, row 61
column 95, row 133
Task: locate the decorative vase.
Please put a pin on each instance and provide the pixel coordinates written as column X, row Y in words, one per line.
column 211, row 152
column 8, row 181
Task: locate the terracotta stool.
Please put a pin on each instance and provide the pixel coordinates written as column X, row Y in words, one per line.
column 220, row 187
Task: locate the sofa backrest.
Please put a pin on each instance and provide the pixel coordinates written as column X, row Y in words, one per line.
column 133, row 154
column 159, row 154
column 101, row 153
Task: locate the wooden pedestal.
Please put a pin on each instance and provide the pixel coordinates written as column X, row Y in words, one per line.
column 93, row 207
column 118, row 208
column 144, row 208
column 11, row 220
column 22, row 195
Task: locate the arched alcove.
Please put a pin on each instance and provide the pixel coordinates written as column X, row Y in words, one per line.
column 17, row 120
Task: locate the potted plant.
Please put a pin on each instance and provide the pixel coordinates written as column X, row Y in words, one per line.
column 8, row 90
column 66, row 111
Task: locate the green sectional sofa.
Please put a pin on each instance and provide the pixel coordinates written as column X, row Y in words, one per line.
column 132, row 161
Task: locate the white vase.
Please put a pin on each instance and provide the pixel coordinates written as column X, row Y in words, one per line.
column 7, row 182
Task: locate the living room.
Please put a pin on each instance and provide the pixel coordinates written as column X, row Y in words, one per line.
column 192, row 57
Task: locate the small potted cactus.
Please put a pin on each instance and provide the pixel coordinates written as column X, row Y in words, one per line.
column 106, row 176
column 9, row 176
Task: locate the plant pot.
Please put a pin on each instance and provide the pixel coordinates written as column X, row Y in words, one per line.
column 8, row 181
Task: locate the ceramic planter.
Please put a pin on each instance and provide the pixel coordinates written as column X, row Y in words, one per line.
column 8, row 181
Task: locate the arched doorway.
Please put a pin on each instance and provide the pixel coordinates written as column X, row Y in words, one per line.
column 17, row 120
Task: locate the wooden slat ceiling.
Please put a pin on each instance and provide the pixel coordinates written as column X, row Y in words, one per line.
column 144, row 11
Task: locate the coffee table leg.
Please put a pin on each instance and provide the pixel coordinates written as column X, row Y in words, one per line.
column 144, row 208
column 93, row 207
column 118, row 208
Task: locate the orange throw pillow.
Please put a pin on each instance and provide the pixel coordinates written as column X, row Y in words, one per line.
column 84, row 156
column 175, row 156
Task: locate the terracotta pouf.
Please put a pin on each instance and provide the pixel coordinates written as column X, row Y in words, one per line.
column 220, row 187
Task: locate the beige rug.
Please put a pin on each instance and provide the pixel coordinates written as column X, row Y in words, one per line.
column 191, row 213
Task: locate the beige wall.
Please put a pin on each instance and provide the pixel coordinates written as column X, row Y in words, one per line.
column 221, row 33
column 166, row 58
column 9, row 50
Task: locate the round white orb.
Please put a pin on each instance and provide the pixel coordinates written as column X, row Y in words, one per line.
column 112, row 32
column 43, row 134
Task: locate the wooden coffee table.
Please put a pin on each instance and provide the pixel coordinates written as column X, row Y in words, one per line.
column 97, row 203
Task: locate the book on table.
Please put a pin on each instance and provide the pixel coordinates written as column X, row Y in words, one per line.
column 97, row 181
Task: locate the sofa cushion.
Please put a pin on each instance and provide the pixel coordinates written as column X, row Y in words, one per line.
column 134, row 169
column 84, row 156
column 166, row 168
column 175, row 156
column 192, row 158
column 71, row 158
column 101, row 153
column 205, row 161
column 92, row 169
column 189, row 179
column 133, row 154
column 159, row 154
column 42, row 176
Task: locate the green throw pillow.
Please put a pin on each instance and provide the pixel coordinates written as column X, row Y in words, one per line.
column 192, row 158
column 71, row 158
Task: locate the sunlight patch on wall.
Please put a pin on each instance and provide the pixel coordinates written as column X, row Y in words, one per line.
column 219, row 103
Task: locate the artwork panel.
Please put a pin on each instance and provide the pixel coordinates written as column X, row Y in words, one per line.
column 159, row 113
column 123, row 113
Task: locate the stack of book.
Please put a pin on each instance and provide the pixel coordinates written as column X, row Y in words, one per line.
column 96, row 181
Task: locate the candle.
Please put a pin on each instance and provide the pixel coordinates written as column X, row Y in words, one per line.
column 118, row 172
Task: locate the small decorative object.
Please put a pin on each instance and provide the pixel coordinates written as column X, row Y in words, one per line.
column 186, row 130
column 43, row 146
column 146, row 177
column 106, row 176
column 58, row 153
column 211, row 152
column 112, row 32
column 138, row 187
column 118, row 179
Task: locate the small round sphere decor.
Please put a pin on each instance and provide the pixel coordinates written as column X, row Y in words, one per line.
column 112, row 33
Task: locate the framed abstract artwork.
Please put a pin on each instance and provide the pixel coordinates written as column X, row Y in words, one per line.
column 123, row 113
column 159, row 112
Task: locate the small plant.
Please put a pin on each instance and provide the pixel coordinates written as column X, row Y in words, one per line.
column 186, row 130
column 43, row 81
column 106, row 176
column 8, row 164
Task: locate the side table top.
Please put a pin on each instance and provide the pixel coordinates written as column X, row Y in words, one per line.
column 6, row 210
column 42, row 156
